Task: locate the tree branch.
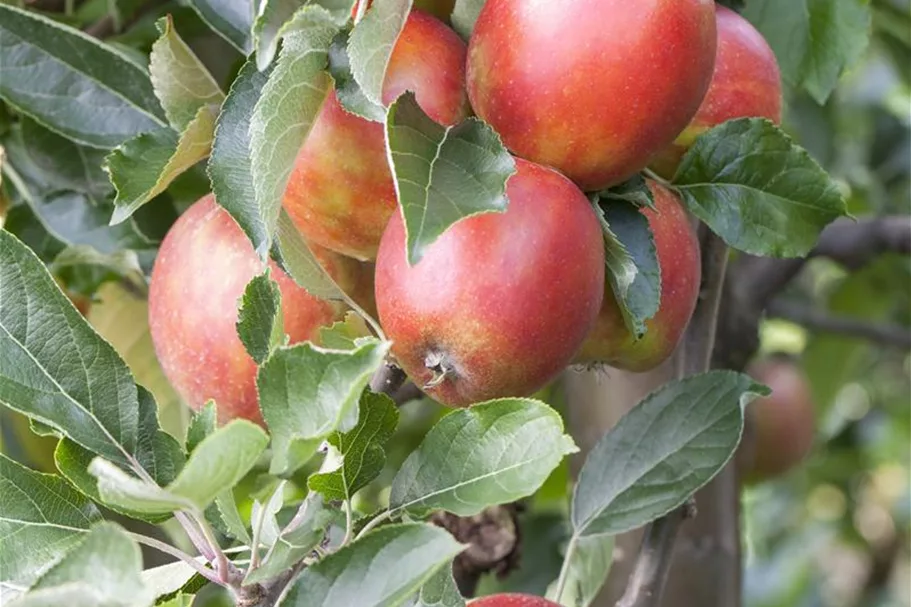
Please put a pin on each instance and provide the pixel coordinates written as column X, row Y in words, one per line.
column 654, row 560
column 854, row 244
column 882, row 333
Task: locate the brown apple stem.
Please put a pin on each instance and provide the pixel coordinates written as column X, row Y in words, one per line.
column 387, row 379
column 654, row 560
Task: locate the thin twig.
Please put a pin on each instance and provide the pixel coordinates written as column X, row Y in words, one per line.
column 882, row 333
column 654, row 561
column 209, row 574
column 226, row 570
column 699, row 340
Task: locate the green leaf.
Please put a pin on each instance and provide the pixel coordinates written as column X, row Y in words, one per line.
column 55, row 368
column 371, row 43
column 181, row 600
column 103, row 571
column 181, row 82
column 589, row 564
column 203, row 423
column 259, row 320
column 301, row 264
column 230, row 19
column 440, row 591
column 227, row 510
column 634, row 190
column 443, row 175
column 168, row 579
column 362, row 573
column 661, row 452
column 229, row 165
column 144, row 167
column 464, row 15
column 307, row 392
column 296, row 541
column 272, row 23
column 632, row 262
column 361, row 449
column 263, row 519
column 347, row 89
column 491, row 453
column 219, row 462
column 344, row 334
column 815, row 41
column 287, row 109
column 41, row 518
column 86, row 91
column 759, row 191
column 49, row 162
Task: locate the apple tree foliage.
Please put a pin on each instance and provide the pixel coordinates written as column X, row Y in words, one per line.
column 116, row 116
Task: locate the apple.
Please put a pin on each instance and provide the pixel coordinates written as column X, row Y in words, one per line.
column 681, row 272
column 512, row 600
column 199, row 276
column 594, row 88
column 746, row 83
column 340, row 193
column 782, row 424
column 500, row 303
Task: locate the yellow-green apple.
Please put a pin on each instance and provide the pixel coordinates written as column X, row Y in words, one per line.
column 781, row 424
column 340, row 193
column 500, row 303
column 681, row 271
column 594, row 88
column 512, row 600
column 746, row 83
column 199, row 276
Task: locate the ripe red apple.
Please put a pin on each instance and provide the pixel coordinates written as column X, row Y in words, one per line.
column 340, row 193
column 681, row 271
column 501, row 302
column 201, row 271
column 594, row 88
column 782, row 424
column 512, row 600
column 746, row 83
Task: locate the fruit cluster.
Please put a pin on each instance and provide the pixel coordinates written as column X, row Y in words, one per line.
column 501, row 302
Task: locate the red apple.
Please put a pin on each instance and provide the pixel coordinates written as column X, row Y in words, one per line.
column 501, row 302
column 200, row 274
column 512, row 600
column 746, row 83
column 681, row 271
column 782, row 424
column 594, row 88
column 340, row 193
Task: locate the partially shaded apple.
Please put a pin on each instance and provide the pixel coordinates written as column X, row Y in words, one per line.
column 199, row 276
column 500, row 303
column 611, row 341
column 340, row 193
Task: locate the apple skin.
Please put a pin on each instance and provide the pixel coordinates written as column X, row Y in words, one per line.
column 512, row 600
column 199, row 276
column 594, row 88
column 610, row 341
column 782, row 424
column 340, row 193
column 501, row 300
column 746, row 83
